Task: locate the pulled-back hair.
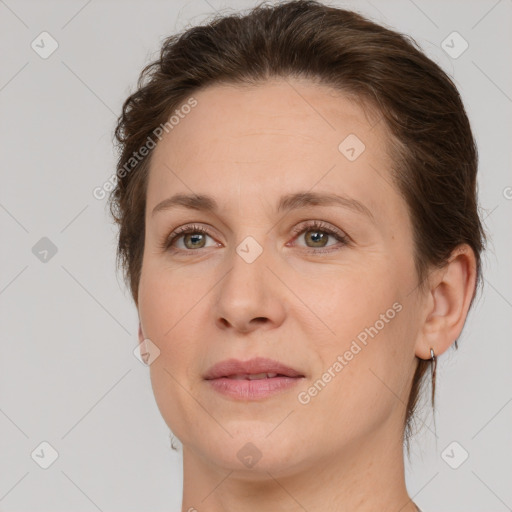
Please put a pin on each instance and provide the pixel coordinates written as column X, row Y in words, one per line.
column 429, row 135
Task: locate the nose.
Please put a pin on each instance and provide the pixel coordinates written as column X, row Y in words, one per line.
column 250, row 296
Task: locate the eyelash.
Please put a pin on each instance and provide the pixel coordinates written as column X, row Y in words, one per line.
column 308, row 226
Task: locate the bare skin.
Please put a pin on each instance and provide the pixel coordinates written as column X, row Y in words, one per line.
column 200, row 302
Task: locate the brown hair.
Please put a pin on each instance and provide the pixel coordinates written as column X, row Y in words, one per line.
column 430, row 138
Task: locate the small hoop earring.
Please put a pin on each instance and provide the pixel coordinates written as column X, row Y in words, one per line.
column 433, row 368
column 433, row 359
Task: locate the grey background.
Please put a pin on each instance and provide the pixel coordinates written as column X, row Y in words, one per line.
column 68, row 375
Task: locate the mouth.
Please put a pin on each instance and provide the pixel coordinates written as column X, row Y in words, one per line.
column 253, row 369
column 256, row 379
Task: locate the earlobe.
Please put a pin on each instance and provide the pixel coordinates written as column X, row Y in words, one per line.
column 448, row 302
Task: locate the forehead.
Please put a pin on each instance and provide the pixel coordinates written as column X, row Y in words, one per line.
column 281, row 112
column 241, row 143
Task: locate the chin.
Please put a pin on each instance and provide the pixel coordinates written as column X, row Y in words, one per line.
column 253, row 456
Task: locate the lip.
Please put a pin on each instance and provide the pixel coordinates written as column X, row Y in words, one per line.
column 252, row 366
column 241, row 389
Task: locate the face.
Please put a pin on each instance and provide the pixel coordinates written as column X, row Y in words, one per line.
column 321, row 286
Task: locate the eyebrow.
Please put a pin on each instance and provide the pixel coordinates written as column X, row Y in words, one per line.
column 287, row 202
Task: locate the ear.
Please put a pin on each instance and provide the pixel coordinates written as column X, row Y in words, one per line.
column 447, row 302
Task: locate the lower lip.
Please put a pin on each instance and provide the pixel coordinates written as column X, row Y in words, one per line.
column 244, row 389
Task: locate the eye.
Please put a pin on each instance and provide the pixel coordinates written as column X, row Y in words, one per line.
column 192, row 238
column 316, row 234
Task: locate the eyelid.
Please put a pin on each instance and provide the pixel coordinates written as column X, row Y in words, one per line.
column 321, row 226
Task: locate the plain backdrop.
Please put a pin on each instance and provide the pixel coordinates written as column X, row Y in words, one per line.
column 68, row 376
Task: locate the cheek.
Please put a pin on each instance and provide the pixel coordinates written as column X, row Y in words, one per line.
column 365, row 326
column 369, row 375
column 348, row 298
column 169, row 314
column 170, row 320
column 164, row 299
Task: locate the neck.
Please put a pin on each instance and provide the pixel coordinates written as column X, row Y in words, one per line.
column 365, row 477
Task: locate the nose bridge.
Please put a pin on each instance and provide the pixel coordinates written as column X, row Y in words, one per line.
column 248, row 292
column 248, row 278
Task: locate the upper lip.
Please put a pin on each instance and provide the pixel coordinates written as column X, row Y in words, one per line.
column 252, row 366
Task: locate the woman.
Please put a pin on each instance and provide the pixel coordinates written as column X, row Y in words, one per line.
column 297, row 206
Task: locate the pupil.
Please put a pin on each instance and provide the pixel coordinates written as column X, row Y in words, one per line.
column 194, row 237
column 317, row 237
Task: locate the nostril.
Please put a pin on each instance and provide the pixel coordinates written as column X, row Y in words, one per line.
column 224, row 322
